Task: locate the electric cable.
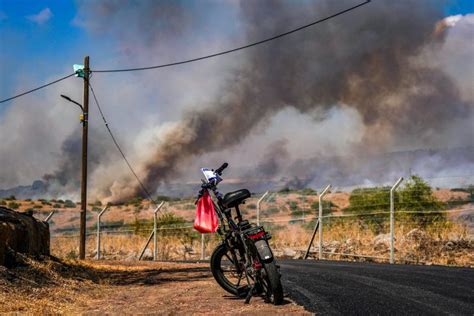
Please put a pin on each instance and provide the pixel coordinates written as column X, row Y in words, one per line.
column 120, row 149
column 238, row 48
column 198, row 58
column 38, row 88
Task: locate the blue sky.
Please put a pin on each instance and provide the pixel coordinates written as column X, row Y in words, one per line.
column 41, row 38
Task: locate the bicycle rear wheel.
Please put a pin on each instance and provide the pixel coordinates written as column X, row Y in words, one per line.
column 271, row 283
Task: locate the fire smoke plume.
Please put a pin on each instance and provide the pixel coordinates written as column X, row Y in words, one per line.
column 368, row 60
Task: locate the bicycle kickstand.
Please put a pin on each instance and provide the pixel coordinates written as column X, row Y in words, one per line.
column 249, row 294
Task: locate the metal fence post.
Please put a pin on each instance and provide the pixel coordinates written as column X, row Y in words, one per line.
column 392, row 219
column 202, row 247
column 98, row 230
column 320, row 218
column 258, row 206
column 49, row 216
column 155, row 231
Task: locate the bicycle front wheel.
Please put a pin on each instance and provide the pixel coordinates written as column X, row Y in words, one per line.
column 225, row 267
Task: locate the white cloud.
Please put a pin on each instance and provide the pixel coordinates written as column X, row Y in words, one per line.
column 452, row 20
column 42, row 17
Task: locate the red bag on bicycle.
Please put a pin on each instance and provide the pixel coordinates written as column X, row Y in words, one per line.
column 206, row 218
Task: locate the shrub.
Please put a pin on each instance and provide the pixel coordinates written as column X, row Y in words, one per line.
column 11, row 198
column 417, row 196
column 69, row 204
column 136, row 201
column 293, row 205
column 252, row 206
column 271, row 210
column 60, row 201
column 166, row 198
column 13, row 205
column 414, row 202
column 308, row 191
column 56, row 205
column 3, row 202
column 285, row 190
column 326, row 207
column 37, row 206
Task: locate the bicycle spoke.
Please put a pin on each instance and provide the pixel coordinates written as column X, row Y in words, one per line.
column 232, row 261
column 240, row 278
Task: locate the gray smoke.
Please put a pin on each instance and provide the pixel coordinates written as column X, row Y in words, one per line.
column 389, row 76
column 366, row 60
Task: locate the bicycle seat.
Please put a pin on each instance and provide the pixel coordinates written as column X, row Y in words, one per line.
column 232, row 199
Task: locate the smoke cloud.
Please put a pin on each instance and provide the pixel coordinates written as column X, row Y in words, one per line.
column 392, row 75
column 366, row 60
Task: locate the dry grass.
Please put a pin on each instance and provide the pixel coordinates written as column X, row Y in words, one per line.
column 114, row 287
column 448, row 243
column 444, row 243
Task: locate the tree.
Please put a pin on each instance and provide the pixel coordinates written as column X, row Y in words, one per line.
column 416, row 198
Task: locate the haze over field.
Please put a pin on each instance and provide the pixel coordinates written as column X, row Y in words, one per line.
column 322, row 103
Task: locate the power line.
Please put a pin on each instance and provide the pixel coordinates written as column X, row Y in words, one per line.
column 238, row 48
column 38, row 88
column 198, row 58
column 120, row 149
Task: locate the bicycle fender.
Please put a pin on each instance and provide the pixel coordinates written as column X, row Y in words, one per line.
column 264, row 251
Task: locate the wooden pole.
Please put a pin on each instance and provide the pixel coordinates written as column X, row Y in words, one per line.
column 82, row 243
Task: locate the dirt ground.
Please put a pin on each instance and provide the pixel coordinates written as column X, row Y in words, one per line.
column 121, row 287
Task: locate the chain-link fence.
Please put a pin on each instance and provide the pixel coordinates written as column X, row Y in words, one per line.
column 355, row 226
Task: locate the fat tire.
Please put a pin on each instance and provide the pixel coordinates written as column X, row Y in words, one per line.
column 273, row 277
column 216, row 269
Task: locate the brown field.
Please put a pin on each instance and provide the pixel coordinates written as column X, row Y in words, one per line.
column 118, row 287
column 450, row 243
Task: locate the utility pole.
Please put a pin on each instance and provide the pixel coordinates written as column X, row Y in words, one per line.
column 82, row 243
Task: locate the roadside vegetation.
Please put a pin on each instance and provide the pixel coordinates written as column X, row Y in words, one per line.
column 430, row 224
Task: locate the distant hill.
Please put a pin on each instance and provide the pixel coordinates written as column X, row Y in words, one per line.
column 36, row 190
column 440, row 167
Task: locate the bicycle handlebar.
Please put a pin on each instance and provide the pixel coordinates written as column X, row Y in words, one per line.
column 221, row 168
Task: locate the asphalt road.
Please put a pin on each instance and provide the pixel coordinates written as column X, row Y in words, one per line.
column 348, row 288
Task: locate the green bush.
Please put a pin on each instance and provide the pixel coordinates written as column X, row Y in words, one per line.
column 13, row 205
column 293, row 205
column 56, row 205
column 417, row 196
column 11, row 198
column 166, row 198
column 414, row 202
column 308, row 191
column 252, row 206
column 3, row 202
column 69, row 204
column 327, row 205
column 271, row 199
column 271, row 210
column 285, row 190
